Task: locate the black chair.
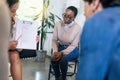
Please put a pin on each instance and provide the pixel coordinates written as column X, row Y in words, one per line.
column 71, row 64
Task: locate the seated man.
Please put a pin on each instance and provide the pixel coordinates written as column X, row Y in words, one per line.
column 64, row 43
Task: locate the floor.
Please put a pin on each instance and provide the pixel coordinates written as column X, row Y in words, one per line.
column 36, row 70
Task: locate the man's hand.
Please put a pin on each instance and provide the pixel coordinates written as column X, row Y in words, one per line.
column 57, row 56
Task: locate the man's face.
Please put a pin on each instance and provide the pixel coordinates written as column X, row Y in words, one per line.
column 87, row 9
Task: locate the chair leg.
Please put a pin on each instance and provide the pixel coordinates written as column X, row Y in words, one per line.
column 49, row 72
column 74, row 71
column 75, row 67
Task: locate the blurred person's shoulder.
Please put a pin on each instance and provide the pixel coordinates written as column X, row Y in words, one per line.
column 59, row 24
column 4, row 17
column 106, row 13
column 3, row 8
column 2, row 2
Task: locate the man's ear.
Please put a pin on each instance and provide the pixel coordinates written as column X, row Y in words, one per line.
column 95, row 5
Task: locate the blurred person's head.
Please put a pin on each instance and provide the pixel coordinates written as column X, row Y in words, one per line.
column 70, row 14
column 13, row 6
column 92, row 6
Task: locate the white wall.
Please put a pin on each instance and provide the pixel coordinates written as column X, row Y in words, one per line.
column 58, row 7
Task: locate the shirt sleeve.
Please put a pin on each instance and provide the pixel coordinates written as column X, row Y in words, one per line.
column 74, row 43
column 54, row 39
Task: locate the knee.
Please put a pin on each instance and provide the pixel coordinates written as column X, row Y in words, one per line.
column 63, row 58
column 14, row 58
column 53, row 62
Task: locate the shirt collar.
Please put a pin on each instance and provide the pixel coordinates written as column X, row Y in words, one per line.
column 68, row 25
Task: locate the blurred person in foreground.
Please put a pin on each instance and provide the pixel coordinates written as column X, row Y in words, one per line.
column 100, row 41
column 4, row 37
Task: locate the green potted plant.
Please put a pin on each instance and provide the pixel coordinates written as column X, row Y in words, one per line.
column 48, row 21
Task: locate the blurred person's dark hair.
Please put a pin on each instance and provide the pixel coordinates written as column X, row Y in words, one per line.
column 11, row 2
column 107, row 3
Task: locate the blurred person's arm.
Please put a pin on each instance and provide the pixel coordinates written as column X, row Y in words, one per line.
column 55, row 39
